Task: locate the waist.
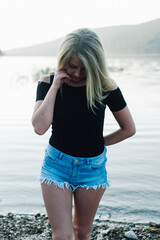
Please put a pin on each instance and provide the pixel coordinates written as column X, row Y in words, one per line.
column 81, row 160
column 80, row 146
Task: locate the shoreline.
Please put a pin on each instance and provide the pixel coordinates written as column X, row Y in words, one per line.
column 36, row 226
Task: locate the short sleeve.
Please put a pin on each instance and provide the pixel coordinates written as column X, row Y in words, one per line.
column 115, row 100
column 42, row 89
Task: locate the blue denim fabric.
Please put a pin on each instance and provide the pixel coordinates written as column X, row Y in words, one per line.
column 64, row 170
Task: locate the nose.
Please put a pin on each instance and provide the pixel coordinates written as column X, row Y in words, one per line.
column 77, row 73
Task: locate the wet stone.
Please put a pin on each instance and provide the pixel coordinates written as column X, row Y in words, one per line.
column 37, row 215
column 153, row 224
column 153, row 230
column 130, row 235
column 37, row 227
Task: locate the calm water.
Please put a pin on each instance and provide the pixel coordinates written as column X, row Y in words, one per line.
column 133, row 165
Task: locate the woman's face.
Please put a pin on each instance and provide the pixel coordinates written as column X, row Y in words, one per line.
column 76, row 70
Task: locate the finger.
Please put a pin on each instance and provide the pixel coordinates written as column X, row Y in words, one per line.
column 66, row 80
column 67, row 76
column 64, row 71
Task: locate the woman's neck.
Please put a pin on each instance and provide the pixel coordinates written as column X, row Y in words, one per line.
column 77, row 84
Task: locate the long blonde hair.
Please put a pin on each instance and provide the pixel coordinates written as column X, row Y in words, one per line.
column 85, row 44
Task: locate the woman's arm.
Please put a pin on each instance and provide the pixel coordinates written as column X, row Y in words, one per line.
column 43, row 111
column 126, row 130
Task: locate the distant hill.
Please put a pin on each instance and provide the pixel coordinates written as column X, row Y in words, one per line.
column 43, row 49
column 1, row 53
column 126, row 39
column 132, row 39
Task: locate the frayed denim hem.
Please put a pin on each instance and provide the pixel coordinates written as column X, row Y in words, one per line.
column 71, row 187
column 103, row 186
column 61, row 185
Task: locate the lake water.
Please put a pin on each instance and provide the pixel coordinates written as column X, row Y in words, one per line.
column 133, row 165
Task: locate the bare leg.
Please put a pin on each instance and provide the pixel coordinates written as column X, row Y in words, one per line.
column 86, row 203
column 58, row 204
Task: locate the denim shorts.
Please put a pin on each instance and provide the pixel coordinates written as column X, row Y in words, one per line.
column 64, row 170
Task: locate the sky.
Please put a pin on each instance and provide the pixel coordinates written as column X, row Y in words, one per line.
column 28, row 22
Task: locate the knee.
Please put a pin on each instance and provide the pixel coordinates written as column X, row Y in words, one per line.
column 82, row 233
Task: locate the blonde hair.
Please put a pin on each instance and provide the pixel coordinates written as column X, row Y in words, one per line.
column 85, row 44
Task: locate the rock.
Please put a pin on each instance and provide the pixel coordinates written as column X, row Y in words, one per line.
column 37, row 215
column 10, row 215
column 153, row 229
column 111, row 228
column 153, row 224
column 130, row 235
column 132, row 225
column 37, row 227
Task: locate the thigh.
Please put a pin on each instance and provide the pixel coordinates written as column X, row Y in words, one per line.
column 85, row 206
column 58, row 203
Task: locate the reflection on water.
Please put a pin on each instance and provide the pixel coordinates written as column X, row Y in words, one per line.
column 133, row 165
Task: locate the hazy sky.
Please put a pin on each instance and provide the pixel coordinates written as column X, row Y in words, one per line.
column 27, row 22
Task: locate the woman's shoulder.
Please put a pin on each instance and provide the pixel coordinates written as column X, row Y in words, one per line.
column 115, row 100
column 114, row 90
column 46, row 78
column 44, row 84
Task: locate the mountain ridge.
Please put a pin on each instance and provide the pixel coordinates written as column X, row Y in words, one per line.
column 143, row 38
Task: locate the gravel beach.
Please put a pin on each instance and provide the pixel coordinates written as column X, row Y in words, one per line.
column 33, row 227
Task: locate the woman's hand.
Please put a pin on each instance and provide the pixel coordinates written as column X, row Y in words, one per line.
column 59, row 78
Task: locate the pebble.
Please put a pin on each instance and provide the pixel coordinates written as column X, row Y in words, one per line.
column 153, row 224
column 37, row 227
column 130, row 235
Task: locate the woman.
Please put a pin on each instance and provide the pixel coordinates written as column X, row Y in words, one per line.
column 73, row 101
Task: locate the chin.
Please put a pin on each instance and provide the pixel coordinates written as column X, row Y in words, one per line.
column 76, row 80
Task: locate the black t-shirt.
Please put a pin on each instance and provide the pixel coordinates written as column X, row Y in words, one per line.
column 77, row 130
